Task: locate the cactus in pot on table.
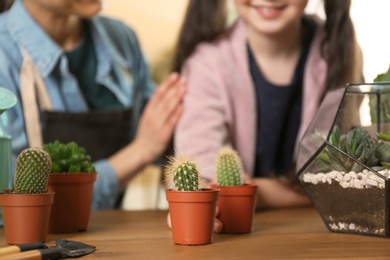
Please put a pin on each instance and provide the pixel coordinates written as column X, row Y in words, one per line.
column 27, row 207
column 229, row 168
column 237, row 200
column 192, row 208
column 183, row 174
column 72, row 175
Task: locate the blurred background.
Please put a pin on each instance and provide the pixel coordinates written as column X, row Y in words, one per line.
column 157, row 24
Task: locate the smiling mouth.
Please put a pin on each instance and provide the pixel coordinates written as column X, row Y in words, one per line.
column 269, row 12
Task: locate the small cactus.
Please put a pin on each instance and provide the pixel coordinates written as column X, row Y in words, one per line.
column 229, row 168
column 182, row 174
column 33, row 166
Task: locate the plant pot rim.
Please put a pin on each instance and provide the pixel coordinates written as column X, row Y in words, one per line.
column 245, row 185
column 199, row 191
column 62, row 178
column 204, row 195
column 16, row 199
column 27, row 194
column 247, row 189
column 73, row 173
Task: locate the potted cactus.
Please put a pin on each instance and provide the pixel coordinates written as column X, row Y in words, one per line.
column 192, row 208
column 72, row 177
column 26, row 207
column 237, row 201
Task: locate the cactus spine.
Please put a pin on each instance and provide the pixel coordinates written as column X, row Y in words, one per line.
column 229, row 168
column 182, row 174
column 33, row 166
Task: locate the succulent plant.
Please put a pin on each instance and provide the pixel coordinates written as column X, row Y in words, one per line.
column 182, row 174
column 68, row 158
column 229, row 168
column 357, row 143
column 384, row 103
column 33, row 166
column 383, row 152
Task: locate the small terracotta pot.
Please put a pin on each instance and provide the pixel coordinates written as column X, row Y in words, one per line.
column 237, row 206
column 26, row 217
column 72, row 203
column 192, row 215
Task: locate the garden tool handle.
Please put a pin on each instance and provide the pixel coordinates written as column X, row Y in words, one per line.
column 21, row 248
column 38, row 254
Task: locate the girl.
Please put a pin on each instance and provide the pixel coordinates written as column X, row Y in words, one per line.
column 257, row 85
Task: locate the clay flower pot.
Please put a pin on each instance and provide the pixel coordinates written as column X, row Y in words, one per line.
column 72, row 203
column 237, row 206
column 26, row 216
column 192, row 215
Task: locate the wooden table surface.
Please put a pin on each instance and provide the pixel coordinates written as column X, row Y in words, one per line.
column 277, row 234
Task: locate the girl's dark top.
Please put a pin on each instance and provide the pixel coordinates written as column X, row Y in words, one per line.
column 279, row 114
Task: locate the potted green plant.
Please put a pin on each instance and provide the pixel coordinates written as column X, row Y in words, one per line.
column 26, row 207
column 192, row 208
column 237, row 201
column 72, row 177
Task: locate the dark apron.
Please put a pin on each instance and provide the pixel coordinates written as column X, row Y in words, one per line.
column 101, row 133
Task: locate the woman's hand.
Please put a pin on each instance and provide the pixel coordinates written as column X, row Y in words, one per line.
column 279, row 193
column 155, row 129
column 160, row 117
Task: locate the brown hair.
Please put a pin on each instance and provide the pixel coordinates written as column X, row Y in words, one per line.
column 199, row 27
column 339, row 46
column 5, row 5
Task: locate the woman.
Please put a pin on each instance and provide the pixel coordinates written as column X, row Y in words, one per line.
column 82, row 77
column 257, row 85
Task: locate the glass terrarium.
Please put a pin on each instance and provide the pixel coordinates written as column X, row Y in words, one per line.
column 343, row 166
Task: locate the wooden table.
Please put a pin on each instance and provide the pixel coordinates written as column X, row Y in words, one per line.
column 278, row 234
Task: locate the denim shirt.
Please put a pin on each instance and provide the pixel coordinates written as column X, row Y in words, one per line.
column 121, row 68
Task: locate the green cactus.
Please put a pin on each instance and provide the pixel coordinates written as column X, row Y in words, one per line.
column 182, row 174
column 357, row 143
column 33, row 166
column 229, row 168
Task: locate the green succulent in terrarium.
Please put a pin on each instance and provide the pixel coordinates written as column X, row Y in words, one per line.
column 384, row 103
column 182, row 174
column 383, row 152
column 229, row 168
column 357, row 143
column 33, row 166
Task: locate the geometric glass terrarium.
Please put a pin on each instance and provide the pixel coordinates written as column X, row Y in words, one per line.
column 343, row 165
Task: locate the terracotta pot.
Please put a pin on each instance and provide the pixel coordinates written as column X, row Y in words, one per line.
column 192, row 215
column 237, row 206
column 26, row 217
column 72, row 203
